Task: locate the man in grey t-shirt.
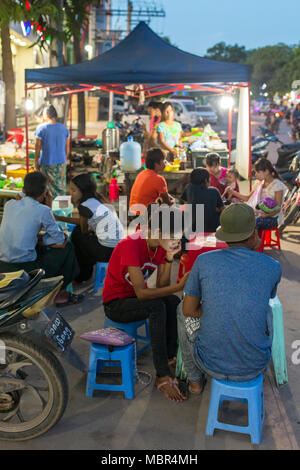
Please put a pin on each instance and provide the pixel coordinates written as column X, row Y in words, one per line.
column 230, row 290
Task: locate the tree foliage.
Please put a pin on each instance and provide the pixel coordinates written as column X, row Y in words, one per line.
column 276, row 66
column 221, row 51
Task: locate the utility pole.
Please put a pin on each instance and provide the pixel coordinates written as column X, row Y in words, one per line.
column 111, row 95
column 129, row 14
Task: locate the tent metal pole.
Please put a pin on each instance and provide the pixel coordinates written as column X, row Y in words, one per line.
column 70, row 146
column 250, row 160
column 26, row 132
column 229, row 131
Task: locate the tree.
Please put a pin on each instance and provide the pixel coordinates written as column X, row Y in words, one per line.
column 221, row 51
column 16, row 10
column 267, row 65
column 75, row 20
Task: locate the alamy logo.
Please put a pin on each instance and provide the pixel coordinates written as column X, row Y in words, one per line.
column 296, row 354
column 2, row 352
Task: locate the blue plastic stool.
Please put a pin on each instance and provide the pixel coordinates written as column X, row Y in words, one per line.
column 71, row 227
column 100, row 275
column 251, row 392
column 100, row 355
column 132, row 330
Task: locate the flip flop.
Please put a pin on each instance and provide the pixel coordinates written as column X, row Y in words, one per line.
column 72, row 300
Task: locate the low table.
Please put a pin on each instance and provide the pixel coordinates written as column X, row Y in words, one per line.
column 199, row 244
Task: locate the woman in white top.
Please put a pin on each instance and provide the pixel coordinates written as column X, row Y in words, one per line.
column 98, row 229
column 269, row 185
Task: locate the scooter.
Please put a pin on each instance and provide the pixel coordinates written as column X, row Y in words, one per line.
column 33, row 383
column 291, row 208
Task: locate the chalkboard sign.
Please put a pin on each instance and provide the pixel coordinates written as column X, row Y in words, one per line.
column 59, row 333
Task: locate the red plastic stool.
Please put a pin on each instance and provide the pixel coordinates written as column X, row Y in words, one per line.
column 267, row 241
column 183, row 267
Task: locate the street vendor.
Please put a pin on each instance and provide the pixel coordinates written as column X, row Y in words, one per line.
column 149, row 185
column 155, row 113
column 216, row 171
column 169, row 131
column 126, row 297
column 52, row 150
column 226, row 332
column 22, row 247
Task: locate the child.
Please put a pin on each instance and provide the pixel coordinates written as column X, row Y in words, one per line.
column 199, row 192
column 99, row 230
column 267, row 206
column 232, row 178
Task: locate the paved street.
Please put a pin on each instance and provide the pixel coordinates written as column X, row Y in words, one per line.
column 108, row 422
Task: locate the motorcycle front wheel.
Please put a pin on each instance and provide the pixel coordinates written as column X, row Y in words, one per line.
column 291, row 216
column 31, row 411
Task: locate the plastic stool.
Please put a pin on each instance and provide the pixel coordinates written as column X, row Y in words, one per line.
column 267, row 241
column 101, row 269
column 71, row 227
column 251, row 392
column 132, row 330
column 101, row 355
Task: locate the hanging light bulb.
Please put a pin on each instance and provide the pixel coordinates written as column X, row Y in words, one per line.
column 227, row 102
column 29, row 104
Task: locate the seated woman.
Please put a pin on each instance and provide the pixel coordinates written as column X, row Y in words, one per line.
column 199, row 192
column 99, row 230
column 216, row 171
column 21, row 245
column 126, row 297
column 268, row 185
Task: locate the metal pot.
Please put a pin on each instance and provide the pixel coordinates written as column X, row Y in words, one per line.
column 110, row 140
column 3, row 166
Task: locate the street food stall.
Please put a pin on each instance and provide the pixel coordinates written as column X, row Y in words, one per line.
column 155, row 68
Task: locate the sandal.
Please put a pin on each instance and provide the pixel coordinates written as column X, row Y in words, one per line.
column 72, row 300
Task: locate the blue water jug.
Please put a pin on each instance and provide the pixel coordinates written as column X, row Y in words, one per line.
column 130, row 155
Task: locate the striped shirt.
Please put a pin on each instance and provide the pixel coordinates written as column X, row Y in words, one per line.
column 103, row 221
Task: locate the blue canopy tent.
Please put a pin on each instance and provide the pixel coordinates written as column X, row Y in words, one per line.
column 145, row 60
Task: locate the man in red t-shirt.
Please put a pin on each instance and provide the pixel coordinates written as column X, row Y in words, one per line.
column 126, row 297
column 149, row 185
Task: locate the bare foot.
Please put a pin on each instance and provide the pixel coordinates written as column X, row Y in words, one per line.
column 170, row 389
column 62, row 297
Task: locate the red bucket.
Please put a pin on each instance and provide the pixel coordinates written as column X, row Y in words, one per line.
column 15, row 134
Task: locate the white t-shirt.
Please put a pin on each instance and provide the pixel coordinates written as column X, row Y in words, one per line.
column 103, row 221
column 270, row 191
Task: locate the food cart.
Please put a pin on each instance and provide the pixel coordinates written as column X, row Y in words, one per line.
column 155, row 68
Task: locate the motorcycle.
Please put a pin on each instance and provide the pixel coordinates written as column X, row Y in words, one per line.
column 135, row 130
column 33, row 383
column 291, row 208
column 259, row 144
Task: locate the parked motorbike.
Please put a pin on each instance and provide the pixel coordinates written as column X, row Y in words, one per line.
column 259, row 144
column 33, row 383
column 291, row 208
column 135, row 130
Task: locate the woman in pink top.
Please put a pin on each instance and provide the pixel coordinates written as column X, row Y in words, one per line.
column 155, row 112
